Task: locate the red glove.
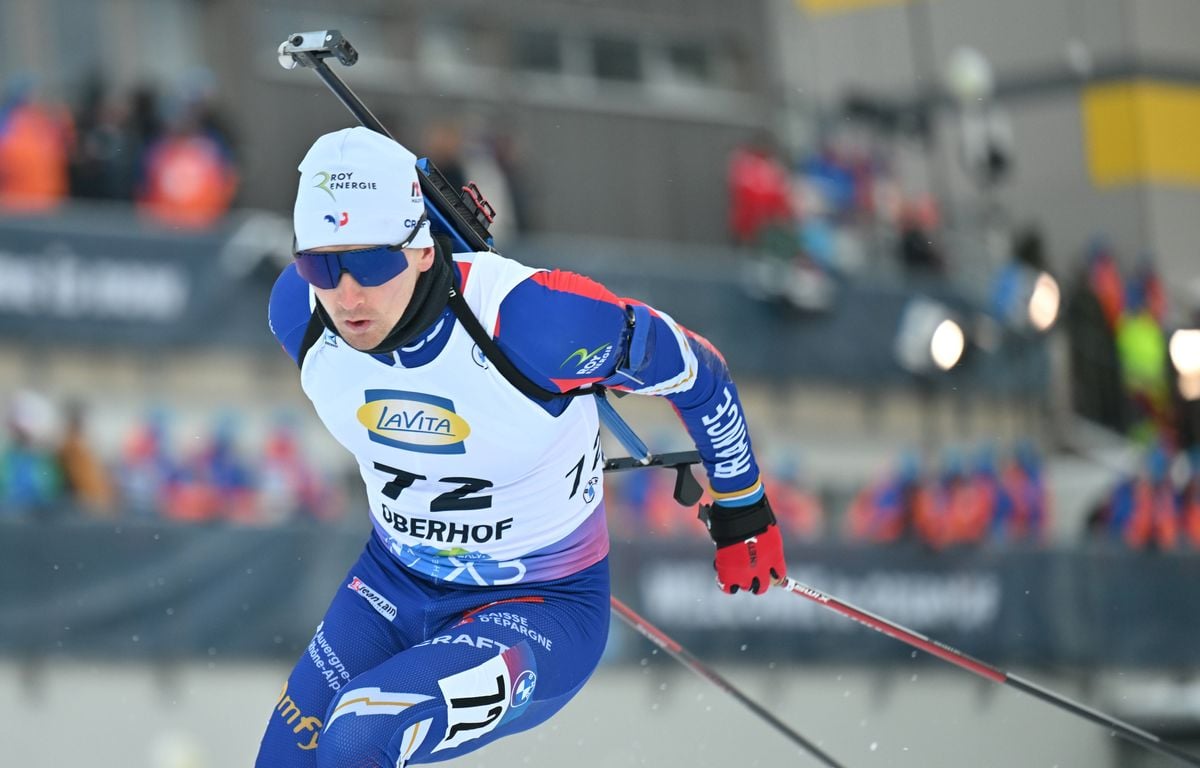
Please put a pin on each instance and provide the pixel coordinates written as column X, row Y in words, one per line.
column 749, row 547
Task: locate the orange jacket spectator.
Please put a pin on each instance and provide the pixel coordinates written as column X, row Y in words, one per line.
column 1028, row 492
column 190, row 181
column 799, row 512
column 1143, row 510
column 87, row 479
column 885, row 511
column 1154, row 519
column 1104, row 279
column 955, row 513
column 35, row 143
column 958, row 509
column 1189, row 512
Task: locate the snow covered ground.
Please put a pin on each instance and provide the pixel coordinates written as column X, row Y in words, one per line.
column 210, row 715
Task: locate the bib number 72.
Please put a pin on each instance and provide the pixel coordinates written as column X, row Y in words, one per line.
column 456, row 499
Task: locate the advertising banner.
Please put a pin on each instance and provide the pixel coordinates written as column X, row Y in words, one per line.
column 163, row 591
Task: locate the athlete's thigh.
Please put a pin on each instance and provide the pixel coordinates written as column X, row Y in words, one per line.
column 357, row 633
column 495, row 668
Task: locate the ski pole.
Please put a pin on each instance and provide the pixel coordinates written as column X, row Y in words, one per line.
column 983, row 669
column 681, row 654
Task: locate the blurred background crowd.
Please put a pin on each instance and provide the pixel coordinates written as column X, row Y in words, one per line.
column 172, row 156
column 989, row 494
column 947, row 248
column 801, row 227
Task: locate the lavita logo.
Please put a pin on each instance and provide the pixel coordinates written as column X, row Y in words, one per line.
column 413, row 421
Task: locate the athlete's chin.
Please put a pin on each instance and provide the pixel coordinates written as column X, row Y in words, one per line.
column 362, row 335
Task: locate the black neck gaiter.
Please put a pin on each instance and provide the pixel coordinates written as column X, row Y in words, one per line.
column 429, row 298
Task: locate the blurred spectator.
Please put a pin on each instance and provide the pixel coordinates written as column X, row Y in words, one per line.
column 1005, row 301
column 87, row 479
column 1095, row 303
column 885, row 511
column 190, row 176
column 766, row 225
column 474, row 154
column 643, row 503
column 145, row 124
column 35, row 144
column 1189, row 502
column 933, row 520
column 1103, row 277
column 105, row 161
column 1015, row 300
column 820, row 241
column 992, row 511
column 509, row 154
column 442, row 142
column 919, row 255
column 841, row 188
column 30, row 480
column 760, row 197
column 1122, row 375
column 1149, row 287
column 1024, row 481
column 649, row 504
column 114, row 132
column 215, row 483
column 482, row 167
column 1029, row 248
column 198, row 96
column 148, row 474
column 288, row 486
column 1142, row 511
column 962, row 504
column 798, row 510
column 968, row 503
column 1142, row 352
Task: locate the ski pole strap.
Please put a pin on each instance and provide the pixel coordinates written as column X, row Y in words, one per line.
column 729, row 525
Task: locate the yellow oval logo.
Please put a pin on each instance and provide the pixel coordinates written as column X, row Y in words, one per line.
column 414, row 425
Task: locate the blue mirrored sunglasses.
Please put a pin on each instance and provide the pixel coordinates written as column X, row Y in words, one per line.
column 369, row 266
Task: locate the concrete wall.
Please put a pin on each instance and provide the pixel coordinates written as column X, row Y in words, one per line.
column 604, row 157
column 599, row 157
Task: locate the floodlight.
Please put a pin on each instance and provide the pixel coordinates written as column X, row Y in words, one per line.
column 1044, row 302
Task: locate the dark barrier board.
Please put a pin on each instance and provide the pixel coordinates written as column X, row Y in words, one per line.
column 151, row 591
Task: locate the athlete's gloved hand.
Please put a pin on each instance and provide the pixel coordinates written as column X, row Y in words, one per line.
column 749, row 547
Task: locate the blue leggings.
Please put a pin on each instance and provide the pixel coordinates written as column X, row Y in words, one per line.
column 404, row 671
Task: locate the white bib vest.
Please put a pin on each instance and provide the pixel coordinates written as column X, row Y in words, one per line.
column 469, row 481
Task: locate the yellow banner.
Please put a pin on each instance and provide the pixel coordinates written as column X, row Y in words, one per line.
column 842, row 6
column 1142, row 131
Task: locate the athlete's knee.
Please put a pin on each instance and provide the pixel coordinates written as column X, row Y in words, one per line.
column 367, row 726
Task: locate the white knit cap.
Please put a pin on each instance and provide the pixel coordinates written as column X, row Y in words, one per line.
column 358, row 187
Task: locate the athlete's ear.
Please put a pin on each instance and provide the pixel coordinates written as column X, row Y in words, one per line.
column 422, row 258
